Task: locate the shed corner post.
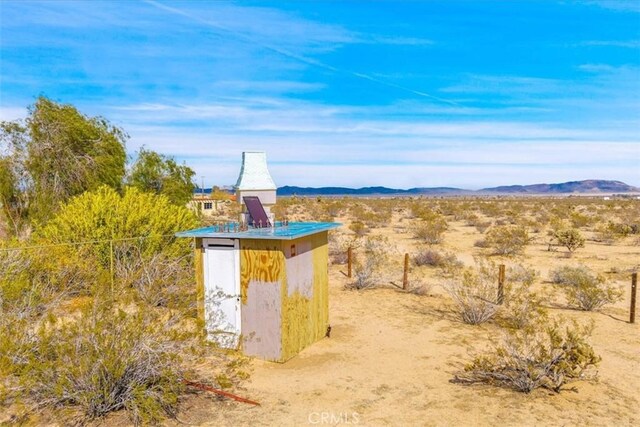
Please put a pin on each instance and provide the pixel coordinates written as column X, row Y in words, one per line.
column 199, row 270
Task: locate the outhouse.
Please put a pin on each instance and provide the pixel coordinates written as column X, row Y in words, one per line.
column 263, row 284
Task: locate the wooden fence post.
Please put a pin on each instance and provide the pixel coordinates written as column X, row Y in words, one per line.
column 405, row 276
column 500, row 283
column 634, row 287
column 349, row 261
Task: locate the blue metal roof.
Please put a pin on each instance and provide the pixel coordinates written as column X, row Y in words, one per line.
column 292, row 230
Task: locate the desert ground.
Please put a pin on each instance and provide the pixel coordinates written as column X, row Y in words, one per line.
column 391, row 353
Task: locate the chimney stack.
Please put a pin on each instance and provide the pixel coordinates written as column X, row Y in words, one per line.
column 255, row 180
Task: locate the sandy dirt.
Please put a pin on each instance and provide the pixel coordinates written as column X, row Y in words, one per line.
column 392, row 354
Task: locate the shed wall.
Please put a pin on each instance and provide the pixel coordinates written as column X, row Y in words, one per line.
column 305, row 298
column 284, row 293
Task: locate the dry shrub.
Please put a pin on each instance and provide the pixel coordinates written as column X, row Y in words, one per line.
column 359, row 228
column 612, row 232
column 507, row 239
column 368, row 272
column 584, row 289
column 482, row 226
column 428, row 257
column 431, row 228
column 101, row 360
column 339, row 244
column 419, row 287
column 522, row 307
column 541, row 356
column 446, row 261
column 474, row 292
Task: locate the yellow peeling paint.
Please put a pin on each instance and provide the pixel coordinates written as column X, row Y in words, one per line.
column 305, row 320
column 261, row 261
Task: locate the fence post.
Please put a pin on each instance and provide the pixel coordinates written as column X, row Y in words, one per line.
column 500, row 283
column 349, row 261
column 111, row 264
column 405, row 276
column 634, row 287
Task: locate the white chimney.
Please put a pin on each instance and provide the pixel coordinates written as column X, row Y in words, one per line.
column 255, row 180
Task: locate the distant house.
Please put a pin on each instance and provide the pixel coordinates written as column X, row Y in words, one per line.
column 210, row 204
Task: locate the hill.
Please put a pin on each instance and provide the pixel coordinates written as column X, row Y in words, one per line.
column 587, row 186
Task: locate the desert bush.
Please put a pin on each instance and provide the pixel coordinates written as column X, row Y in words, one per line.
column 428, row 257
column 522, row 307
column 584, row 289
column 571, row 239
column 431, row 228
column 358, row 228
column 544, row 355
column 482, row 226
column 507, row 240
column 339, row 244
column 611, row 232
column 474, row 292
column 419, row 287
column 368, row 272
column 446, row 261
column 103, row 361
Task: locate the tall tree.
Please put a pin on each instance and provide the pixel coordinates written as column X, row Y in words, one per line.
column 59, row 153
column 159, row 174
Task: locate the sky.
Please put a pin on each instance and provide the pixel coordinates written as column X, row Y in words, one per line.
column 403, row 94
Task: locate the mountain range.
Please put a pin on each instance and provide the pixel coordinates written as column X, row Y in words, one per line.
column 591, row 186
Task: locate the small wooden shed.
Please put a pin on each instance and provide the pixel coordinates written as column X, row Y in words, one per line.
column 263, row 285
column 264, row 290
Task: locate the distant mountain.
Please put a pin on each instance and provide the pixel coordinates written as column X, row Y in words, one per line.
column 366, row 191
column 588, row 186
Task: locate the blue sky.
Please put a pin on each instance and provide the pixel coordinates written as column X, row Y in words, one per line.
column 353, row 93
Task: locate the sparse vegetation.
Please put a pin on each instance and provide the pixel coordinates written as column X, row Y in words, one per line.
column 571, row 239
column 431, row 228
column 507, row 239
column 584, row 289
column 545, row 355
column 474, row 293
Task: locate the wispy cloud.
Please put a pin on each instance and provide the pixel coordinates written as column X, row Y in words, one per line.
column 621, row 5
column 631, row 44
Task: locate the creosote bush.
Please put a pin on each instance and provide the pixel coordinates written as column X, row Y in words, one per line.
column 474, row 291
column 570, row 238
column 543, row 355
column 104, row 361
column 73, row 339
column 431, row 228
column 369, row 266
column 507, row 239
column 584, row 289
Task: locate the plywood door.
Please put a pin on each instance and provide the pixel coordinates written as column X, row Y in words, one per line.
column 222, row 293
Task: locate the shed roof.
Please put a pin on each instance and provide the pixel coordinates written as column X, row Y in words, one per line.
column 254, row 174
column 292, row 230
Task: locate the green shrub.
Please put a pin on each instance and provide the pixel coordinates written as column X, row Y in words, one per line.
column 584, row 289
column 507, row 239
column 103, row 361
column 571, row 239
column 542, row 356
column 431, row 228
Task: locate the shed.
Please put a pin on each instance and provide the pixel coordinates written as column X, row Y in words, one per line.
column 262, row 285
column 264, row 290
